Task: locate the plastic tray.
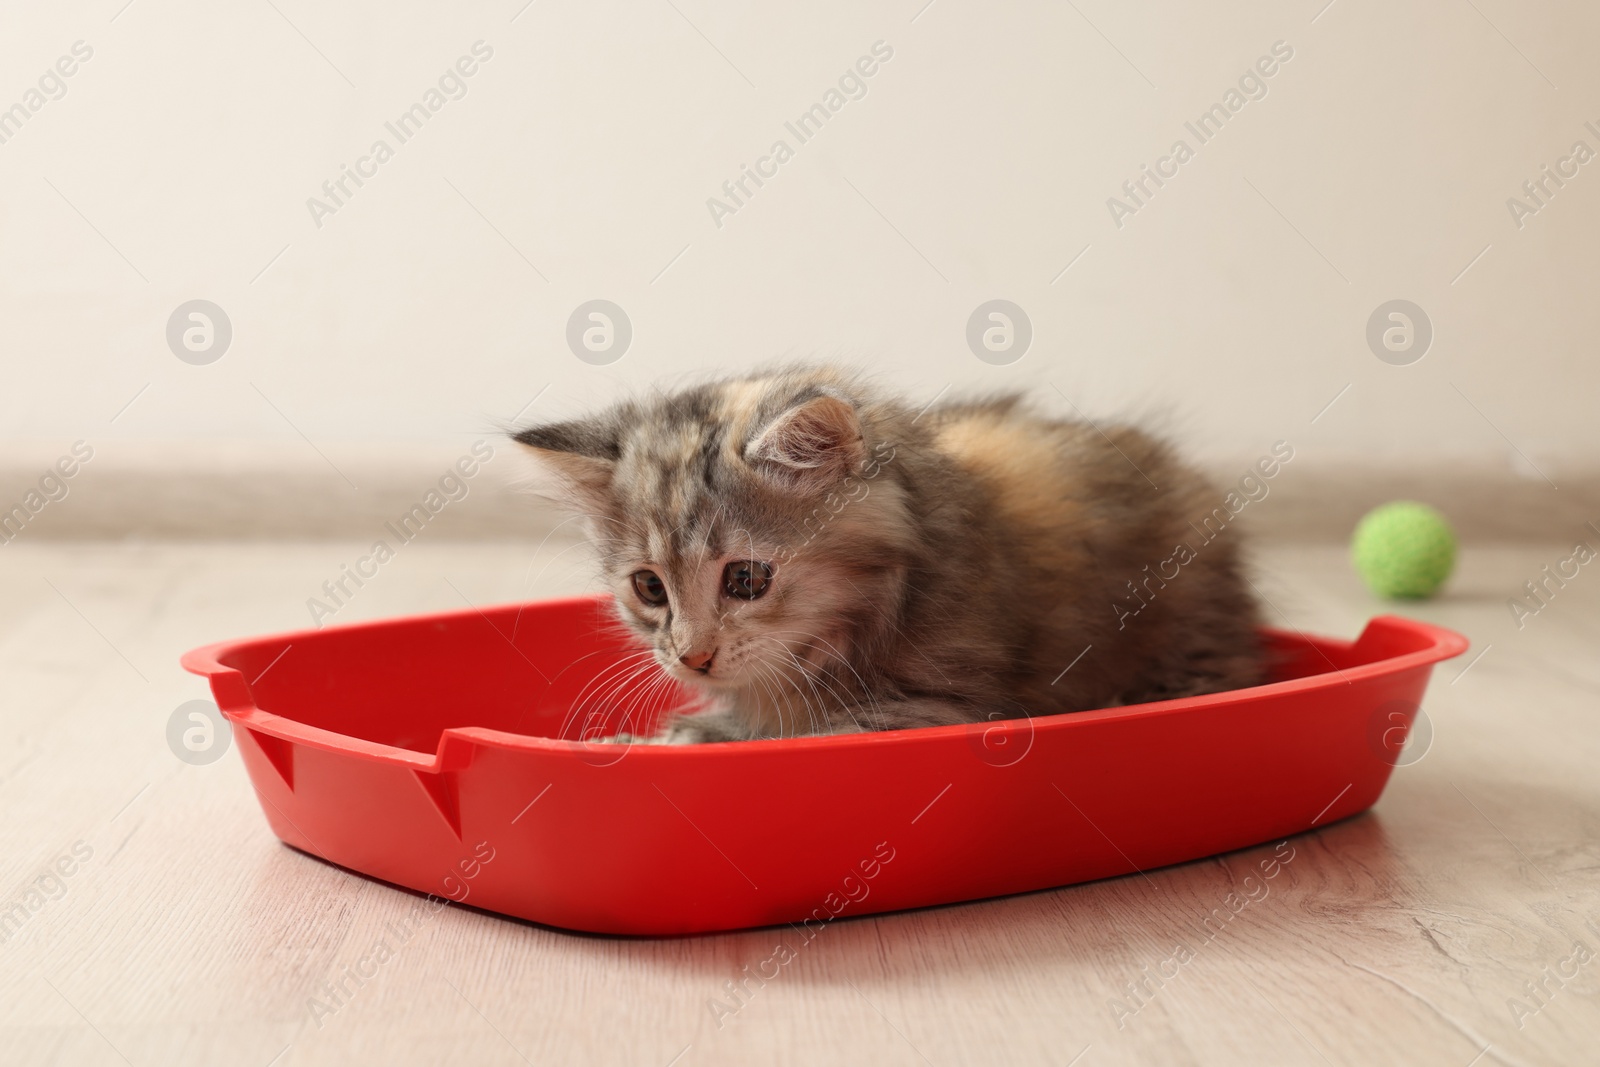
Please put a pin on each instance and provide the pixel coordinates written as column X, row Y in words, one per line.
column 439, row 753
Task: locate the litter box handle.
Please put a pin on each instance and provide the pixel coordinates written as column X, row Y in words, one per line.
column 228, row 687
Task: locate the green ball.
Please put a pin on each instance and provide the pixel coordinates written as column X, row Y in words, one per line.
column 1403, row 550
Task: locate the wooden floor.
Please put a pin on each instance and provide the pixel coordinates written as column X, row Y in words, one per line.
column 1421, row 932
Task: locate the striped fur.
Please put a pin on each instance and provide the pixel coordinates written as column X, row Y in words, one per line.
column 928, row 568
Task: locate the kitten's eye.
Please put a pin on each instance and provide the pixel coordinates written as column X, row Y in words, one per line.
column 746, row 579
column 649, row 586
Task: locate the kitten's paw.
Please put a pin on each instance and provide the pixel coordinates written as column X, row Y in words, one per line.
column 696, row 729
column 700, row 729
column 685, row 732
column 618, row 739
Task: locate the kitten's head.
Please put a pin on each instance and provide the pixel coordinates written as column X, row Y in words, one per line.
column 740, row 525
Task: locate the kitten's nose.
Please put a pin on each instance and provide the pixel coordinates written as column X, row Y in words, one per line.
column 698, row 661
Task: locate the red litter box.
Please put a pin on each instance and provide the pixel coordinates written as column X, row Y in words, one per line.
column 442, row 753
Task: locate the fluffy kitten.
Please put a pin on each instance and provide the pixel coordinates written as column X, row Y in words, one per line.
column 816, row 558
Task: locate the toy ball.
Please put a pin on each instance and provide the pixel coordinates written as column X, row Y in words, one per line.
column 1403, row 550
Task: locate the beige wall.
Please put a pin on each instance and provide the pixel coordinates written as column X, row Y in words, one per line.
column 1231, row 308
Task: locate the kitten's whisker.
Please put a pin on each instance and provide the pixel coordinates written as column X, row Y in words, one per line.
column 773, row 688
column 774, row 696
column 598, row 688
column 591, row 690
column 654, row 684
column 828, row 686
column 811, row 680
column 783, row 680
column 828, row 647
column 627, row 693
column 589, row 655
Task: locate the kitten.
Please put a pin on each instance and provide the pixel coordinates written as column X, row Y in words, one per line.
column 816, row 558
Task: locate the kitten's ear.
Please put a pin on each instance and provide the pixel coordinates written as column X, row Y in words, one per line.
column 811, row 446
column 581, row 455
